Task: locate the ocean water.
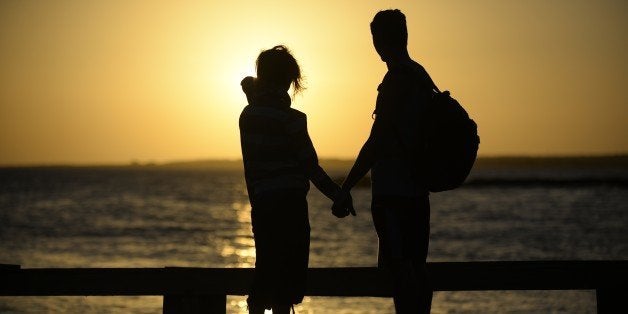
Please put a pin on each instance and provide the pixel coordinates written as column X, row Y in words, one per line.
column 160, row 216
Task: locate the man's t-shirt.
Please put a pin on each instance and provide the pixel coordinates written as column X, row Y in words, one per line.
column 401, row 99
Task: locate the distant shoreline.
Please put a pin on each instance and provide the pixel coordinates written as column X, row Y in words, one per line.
column 345, row 164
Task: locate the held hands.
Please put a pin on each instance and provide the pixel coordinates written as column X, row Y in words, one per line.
column 343, row 205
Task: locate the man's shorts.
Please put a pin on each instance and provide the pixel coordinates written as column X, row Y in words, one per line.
column 403, row 228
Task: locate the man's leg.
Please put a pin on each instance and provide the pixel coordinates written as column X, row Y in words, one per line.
column 402, row 226
column 416, row 231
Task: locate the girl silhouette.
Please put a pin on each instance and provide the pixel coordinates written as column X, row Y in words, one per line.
column 279, row 162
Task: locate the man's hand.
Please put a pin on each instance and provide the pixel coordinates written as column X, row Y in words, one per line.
column 343, row 205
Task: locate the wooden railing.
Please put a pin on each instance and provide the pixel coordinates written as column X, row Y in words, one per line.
column 204, row 290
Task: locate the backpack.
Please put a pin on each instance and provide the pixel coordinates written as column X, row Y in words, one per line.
column 451, row 143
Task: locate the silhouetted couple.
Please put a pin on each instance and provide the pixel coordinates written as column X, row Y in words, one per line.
column 280, row 161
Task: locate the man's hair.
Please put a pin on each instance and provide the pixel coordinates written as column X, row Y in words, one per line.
column 277, row 65
column 389, row 27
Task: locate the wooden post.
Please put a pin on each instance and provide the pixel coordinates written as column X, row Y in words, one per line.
column 195, row 304
column 610, row 300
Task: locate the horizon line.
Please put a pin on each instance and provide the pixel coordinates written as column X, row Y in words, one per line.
column 191, row 161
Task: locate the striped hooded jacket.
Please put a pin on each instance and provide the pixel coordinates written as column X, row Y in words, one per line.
column 276, row 148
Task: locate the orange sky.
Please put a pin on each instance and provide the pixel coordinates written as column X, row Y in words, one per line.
column 115, row 81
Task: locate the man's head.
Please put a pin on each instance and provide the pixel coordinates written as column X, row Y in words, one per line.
column 390, row 34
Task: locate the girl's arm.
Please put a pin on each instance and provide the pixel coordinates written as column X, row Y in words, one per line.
column 308, row 159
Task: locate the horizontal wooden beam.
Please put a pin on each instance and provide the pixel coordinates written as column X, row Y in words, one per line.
column 353, row 281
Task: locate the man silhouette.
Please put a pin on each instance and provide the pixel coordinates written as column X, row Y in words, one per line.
column 400, row 204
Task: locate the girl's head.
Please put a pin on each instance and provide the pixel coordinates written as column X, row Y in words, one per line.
column 278, row 68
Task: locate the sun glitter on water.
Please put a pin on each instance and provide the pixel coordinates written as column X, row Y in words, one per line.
column 242, row 247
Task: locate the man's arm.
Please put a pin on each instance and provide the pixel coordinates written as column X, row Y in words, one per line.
column 362, row 164
column 368, row 154
column 343, row 204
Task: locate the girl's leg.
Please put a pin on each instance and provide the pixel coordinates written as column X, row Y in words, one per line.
column 282, row 236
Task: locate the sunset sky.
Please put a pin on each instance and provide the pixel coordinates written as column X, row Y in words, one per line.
column 92, row 82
